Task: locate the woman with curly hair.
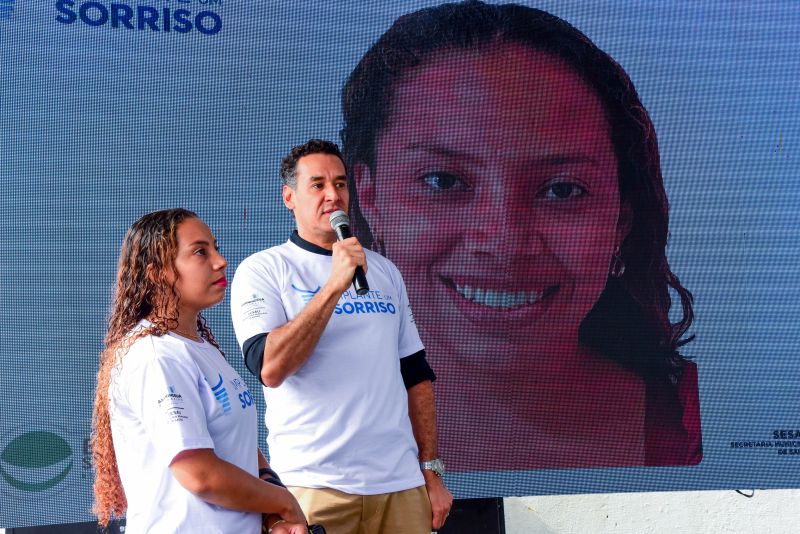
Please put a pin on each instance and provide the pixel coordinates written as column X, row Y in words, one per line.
column 507, row 166
column 175, row 437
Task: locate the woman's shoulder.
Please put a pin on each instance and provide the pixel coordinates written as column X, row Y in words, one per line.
column 382, row 263
column 147, row 348
column 673, row 419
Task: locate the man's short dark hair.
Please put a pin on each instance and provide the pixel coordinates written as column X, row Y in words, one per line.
column 312, row 146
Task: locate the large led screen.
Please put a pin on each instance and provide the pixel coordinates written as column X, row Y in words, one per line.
column 593, row 206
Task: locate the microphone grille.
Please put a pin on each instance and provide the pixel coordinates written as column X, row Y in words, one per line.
column 339, row 218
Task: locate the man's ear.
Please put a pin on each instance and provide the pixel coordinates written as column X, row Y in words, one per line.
column 624, row 221
column 365, row 189
column 287, row 193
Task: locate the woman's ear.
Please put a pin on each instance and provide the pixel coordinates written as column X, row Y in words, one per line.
column 365, row 189
column 624, row 221
column 151, row 274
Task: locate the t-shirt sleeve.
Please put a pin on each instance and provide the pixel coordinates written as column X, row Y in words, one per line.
column 165, row 391
column 415, row 369
column 256, row 306
column 409, row 341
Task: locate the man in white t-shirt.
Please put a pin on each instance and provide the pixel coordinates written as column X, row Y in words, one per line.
column 350, row 411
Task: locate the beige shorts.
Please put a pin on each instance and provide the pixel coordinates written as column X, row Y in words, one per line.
column 402, row 512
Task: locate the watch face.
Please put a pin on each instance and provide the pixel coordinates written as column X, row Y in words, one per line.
column 437, row 466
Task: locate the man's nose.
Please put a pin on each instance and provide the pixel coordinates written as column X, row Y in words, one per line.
column 332, row 193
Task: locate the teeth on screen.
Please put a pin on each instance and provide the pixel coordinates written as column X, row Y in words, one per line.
column 498, row 299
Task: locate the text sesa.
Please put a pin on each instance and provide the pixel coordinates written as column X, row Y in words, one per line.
column 120, row 15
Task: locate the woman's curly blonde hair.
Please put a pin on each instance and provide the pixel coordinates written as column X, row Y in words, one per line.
column 142, row 291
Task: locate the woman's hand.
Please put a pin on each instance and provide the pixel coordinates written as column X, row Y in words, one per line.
column 284, row 527
column 293, row 514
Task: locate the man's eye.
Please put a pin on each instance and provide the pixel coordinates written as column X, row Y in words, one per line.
column 443, row 181
column 563, row 191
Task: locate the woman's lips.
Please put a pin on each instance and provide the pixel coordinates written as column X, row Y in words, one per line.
column 222, row 282
column 498, row 299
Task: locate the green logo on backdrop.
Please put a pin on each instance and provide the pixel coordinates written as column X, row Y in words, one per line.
column 36, row 461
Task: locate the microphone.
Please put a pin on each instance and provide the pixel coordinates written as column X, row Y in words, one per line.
column 341, row 225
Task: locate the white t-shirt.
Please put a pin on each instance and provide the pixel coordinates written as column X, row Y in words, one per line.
column 341, row 421
column 172, row 394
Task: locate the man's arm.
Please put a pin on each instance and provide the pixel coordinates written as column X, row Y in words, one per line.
column 289, row 346
column 422, row 412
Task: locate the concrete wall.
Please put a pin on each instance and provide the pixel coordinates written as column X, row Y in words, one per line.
column 701, row 512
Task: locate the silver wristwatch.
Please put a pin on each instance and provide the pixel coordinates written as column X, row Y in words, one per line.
column 436, row 465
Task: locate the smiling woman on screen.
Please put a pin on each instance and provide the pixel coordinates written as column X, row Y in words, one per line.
column 507, row 166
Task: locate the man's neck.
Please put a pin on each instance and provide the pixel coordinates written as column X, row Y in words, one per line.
column 325, row 241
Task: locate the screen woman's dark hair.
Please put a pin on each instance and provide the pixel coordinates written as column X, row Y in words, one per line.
column 630, row 323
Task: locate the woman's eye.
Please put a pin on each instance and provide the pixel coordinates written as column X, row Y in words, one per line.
column 563, row 191
column 443, row 181
column 200, row 252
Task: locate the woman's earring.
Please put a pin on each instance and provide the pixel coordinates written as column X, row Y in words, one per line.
column 376, row 243
column 617, row 265
column 377, row 246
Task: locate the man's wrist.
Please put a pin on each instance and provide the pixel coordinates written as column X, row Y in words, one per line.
column 268, row 475
column 435, row 466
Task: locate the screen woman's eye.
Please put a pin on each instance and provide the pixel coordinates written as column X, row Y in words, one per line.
column 443, row 181
column 562, row 191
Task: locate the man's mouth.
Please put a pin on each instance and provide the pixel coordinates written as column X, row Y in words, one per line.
column 494, row 298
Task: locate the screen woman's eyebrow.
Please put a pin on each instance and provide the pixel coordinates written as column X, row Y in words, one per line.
column 442, row 151
column 553, row 160
column 557, row 160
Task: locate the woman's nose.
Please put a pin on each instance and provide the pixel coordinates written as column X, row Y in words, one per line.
column 505, row 224
column 221, row 262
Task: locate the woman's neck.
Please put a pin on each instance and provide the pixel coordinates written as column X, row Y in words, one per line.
column 187, row 326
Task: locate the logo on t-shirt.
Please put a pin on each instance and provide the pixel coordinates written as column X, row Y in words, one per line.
column 306, row 294
column 221, row 394
column 172, row 398
column 372, row 302
column 253, row 308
